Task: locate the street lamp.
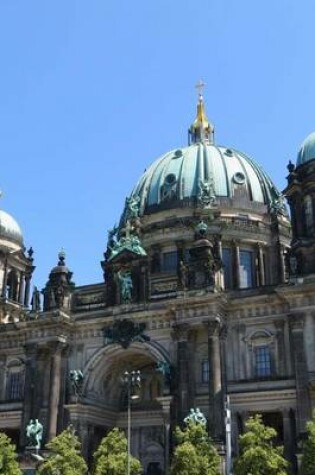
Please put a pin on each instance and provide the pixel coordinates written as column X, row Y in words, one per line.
column 132, row 382
column 228, row 423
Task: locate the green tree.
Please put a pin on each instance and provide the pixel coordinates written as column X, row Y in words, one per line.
column 195, row 453
column 258, row 455
column 308, row 457
column 111, row 456
column 8, row 463
column 65, row 456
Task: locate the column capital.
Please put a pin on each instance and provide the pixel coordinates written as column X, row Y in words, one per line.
column 214, row 326
column 296, row 321
column 57, row 346
column 180, row 331
column 279, row 325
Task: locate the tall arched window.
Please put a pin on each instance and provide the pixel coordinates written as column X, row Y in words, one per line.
column 308, row 214
column 246, row 269
column 15, row 380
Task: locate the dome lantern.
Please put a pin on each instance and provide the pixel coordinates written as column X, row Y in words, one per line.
column 201, row 130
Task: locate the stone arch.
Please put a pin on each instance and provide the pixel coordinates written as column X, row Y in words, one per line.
column 103, row 370
column 153, row 458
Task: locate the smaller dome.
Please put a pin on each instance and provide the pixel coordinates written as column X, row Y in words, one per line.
column 307, row 150
column 9, row 228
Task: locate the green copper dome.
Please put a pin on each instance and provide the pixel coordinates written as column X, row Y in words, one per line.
column 307, row 150
column 203, row 174
column 181, row 174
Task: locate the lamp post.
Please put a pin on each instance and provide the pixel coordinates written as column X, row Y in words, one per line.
column 228, row 436
column 132, row 381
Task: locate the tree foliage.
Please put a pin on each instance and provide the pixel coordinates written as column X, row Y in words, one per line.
column 195, row 453
column 308, row 458
column 8, row 463
column 111, row 456
column 65, row 456
column 258, row 455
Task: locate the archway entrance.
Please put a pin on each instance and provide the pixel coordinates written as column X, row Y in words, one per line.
column 104, row 403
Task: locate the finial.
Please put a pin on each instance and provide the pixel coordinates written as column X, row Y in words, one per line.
column 61, row 257
column 200, row 87
column 201, row 130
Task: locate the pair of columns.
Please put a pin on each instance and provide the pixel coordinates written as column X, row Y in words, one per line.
column 37, row 359
column 186, row 372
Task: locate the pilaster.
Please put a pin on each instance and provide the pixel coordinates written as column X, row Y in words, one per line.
column 296, row 322
column 215, row 379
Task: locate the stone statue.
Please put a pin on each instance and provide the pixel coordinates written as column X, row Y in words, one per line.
column 126, row 286
column 129, row 242
column 195, row 417
column 76, row 379
column 133, row 207
column 164, row 368
column 183, row 275
column 209, row 269
column 34, row 433
column 206, row 193
column 278, row 205
column 201, row 229
column 35, row 302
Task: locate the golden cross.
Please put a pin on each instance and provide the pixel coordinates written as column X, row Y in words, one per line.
column 200, row 87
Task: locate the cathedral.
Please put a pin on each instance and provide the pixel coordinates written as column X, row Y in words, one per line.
column 207, row 301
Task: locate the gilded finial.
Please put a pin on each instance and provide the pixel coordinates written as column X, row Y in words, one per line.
column 201, row 130
column 200, row 87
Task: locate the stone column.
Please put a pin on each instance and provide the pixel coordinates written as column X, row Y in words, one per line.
column 236, row 266
column 5, row 278
column 215, row 380
column 301, row 375
column 281, row 262
column 242, row 364
column 27, row 289
column 29, row 389
column 181, row 335
column 2, row 377
column 219, row 281
column 165, row 402
column 54, row 394
column 86, row 436
column 279, row 324
column 261, row 267
column 21, row 288
column 288, row 436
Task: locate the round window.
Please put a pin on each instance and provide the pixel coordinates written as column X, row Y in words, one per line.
column 170, row 179
column 178, row 153
column 239, row 178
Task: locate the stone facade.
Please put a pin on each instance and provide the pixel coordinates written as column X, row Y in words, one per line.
column 199, row 294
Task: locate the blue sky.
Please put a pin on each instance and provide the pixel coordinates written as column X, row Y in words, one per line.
column 92, row 92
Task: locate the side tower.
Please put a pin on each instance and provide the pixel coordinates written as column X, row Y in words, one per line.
column 16, row 268
column 300, row 193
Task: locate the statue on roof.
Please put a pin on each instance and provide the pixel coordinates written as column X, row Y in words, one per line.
column 133, row 206
column 206, row 193
column 278, row 205
column 130, row 241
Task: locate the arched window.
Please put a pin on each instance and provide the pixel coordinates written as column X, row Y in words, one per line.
column 246, row 269
column 12, row 286
column 262, row 353
column 15, row 380
column 308, row 214
column 227, row 268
